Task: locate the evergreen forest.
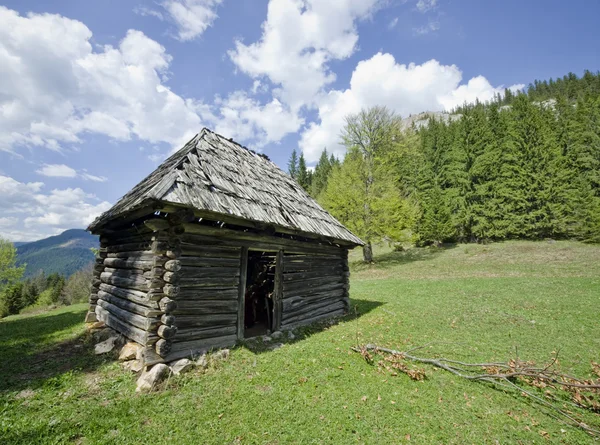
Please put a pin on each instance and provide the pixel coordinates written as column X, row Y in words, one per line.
column 525, row 165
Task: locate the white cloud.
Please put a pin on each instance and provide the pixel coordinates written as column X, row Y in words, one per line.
column 64, row 171
column 406, row 89
column 57, row 171
column 191, row 17
column 299, row 38
column 244, row 118
column 426, row 5
column 52, row 93
column 35, row 214
column 431, row 26
column 393, row 23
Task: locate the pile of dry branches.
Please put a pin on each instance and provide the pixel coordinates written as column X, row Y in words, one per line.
column 515, row 375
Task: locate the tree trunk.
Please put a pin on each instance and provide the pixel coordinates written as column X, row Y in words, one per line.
column 368, row 252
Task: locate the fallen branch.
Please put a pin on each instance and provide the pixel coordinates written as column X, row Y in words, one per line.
column 513, row 375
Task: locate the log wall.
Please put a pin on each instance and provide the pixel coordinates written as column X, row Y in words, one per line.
column 315, row 286
column 177, row 287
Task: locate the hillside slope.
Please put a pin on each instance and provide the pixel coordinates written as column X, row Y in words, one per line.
column 65, row 253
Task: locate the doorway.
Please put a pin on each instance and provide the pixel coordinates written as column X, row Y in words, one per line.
column 258, row 298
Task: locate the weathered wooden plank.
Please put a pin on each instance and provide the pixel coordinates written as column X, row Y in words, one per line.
column 208, row 293
column 197, row 334
column 134, row 255
column 127, row 263
column 300, row 276
column 278, row 291
column 313, row 310
column 292, row 304
column 129, row 247
column 136, row 334
column 209, row 282
column 205, row 344
column 139, row 321
column 206, row 250
column 128, row 283
column 189, row 272
column 129, row 305
column 212, row 262
column 196, row 234
column 206, row 306
column 129, row 273
column 241, row 297
column 307, row 321
column 185, row 321
column 315, row 284
column 125, row 239
column 128, row 294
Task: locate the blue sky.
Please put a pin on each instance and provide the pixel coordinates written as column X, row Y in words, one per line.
column 94, row 95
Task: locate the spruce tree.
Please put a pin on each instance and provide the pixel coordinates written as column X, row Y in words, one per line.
column 293, row 164
column 303, row 176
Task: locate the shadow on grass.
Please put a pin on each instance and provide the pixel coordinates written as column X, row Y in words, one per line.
column 26, row 364
column 392, row 259
column 358, row 308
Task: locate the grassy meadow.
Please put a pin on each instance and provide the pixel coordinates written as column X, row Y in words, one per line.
column 471, row 302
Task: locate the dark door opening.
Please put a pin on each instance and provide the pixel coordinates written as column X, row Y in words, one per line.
column 258, row 299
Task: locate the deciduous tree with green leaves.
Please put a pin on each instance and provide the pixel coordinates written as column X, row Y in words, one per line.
column 9, row 272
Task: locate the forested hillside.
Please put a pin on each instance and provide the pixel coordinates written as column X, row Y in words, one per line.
column 525, row 166
column 63, row 254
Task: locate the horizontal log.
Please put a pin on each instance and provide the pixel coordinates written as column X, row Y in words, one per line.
column 307, row 267
column 160, row 247
column 129, row 247
column 234, row 238
column 136, row 296
column 129, row 273
column 157, row 224
column 313, row 310
column 198, row 261
column 291, row 304
column 129, row 305
column 134, row 255
column 189, row 273
column 127, row 263
column 136, row 334
column 197, row 334
column 308, row 321
column 173, row 265
column 208, row 293
column 168, row 320
column 173, row 253
column 314, row 284
column 127, row 283
column 203, row 345
column 171, row 277
column 206, row 307
column 139, row 321
column 170, row 290
column 300, row 276
column 166, row 332
column 193, row 249
column 205, row 321
column 106, row 241
column 167, row 305
column 163, row 347
column 192, row 283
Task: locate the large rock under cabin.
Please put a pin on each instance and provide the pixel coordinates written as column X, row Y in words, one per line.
column 216, row 245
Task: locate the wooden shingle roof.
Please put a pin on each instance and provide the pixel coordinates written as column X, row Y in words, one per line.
column 215, row 174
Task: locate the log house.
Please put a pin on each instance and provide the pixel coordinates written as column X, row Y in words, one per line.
column 217, row 244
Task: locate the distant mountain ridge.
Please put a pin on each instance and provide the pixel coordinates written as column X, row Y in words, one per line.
column 64, row 254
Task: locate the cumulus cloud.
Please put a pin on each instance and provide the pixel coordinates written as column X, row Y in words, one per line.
column 35, row 214
column 406, row 89
column 192, row 17
column 432, row 26
column 299, row 39
column 52, row 93
column 64, row 171
column 57, row 171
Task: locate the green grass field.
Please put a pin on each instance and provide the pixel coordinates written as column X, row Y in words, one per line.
column 474, row 302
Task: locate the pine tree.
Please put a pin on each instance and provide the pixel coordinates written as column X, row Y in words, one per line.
column 293, row 164
column 321, row 174
column 304, row 176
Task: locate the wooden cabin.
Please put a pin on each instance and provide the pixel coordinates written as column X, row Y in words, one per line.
column 216, row 245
